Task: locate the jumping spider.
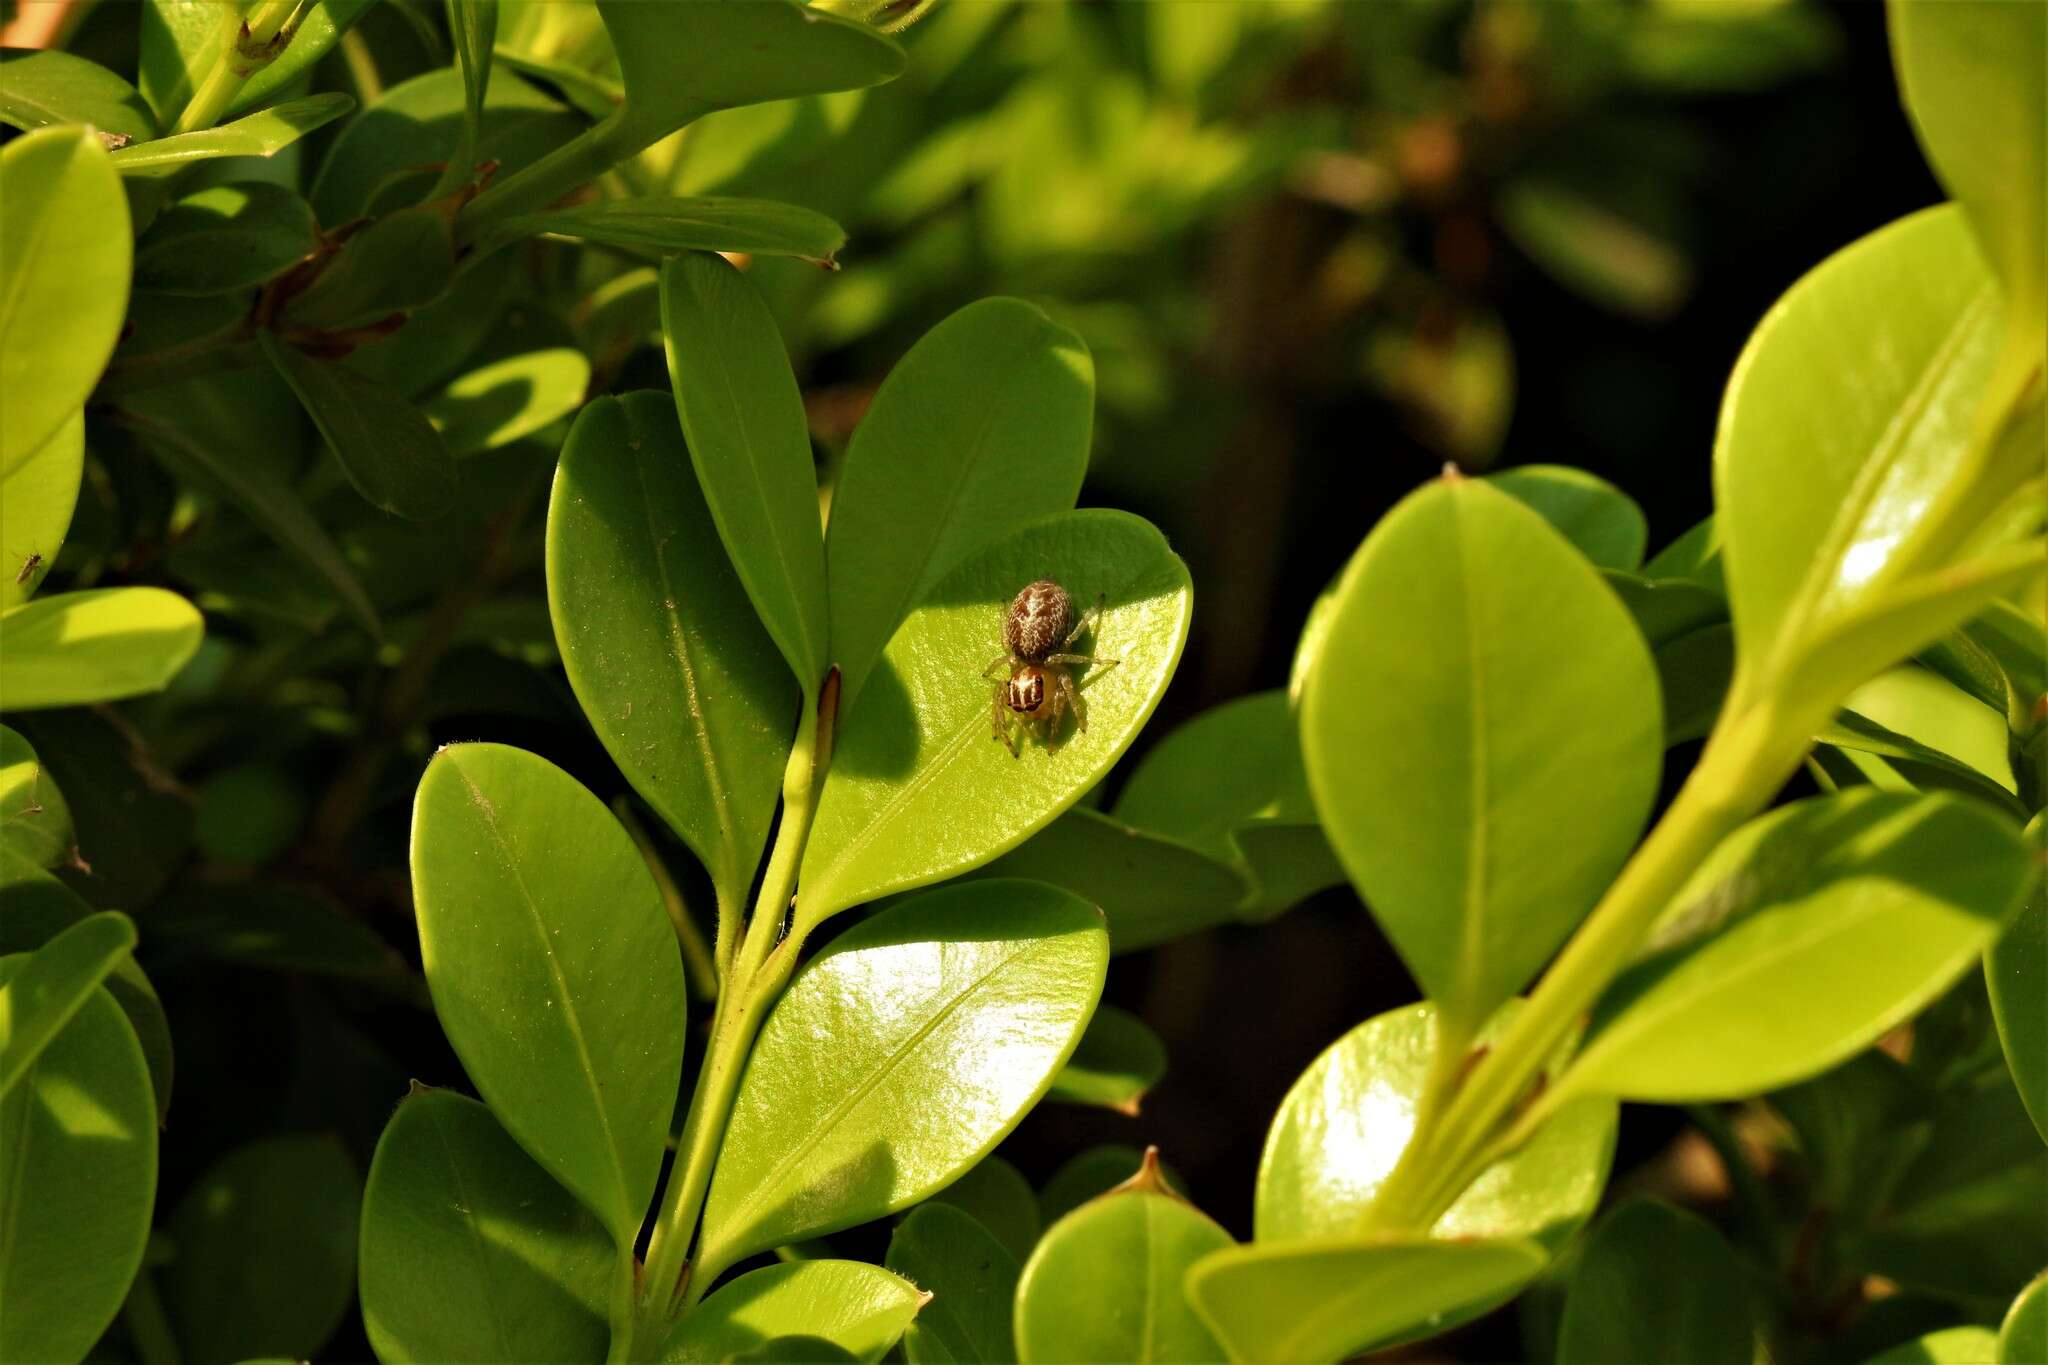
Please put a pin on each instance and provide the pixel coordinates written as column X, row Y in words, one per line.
column 1033, row 677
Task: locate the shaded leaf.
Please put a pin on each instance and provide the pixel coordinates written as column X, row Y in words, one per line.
column 2016, row 972
column 34, row 819
column 224, row 238
column 1603, row 522
column 995, row 1194
column 972, row 1279
column 1119, row 1059
column 389, row 450
column 658, row 226
column 1655, row 1283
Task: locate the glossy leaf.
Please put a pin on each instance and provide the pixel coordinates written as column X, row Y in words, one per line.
column 1969, row 1345
column 34, row 820
column 1975, row 80
column 995, row 1194
column 673, row 668
column 2016, row 972
column 265, row 133
column 920, row 788
column 508, row 400
column 972, row 1279
column 80, row 1132
column 744, row 421
column 1743, row 990
column 1324, row 1301
column 53, row 984
column 38, row 494
column 1599, row 519
column 63, row 281
column 658, row 226
column 470, row 1252
column 98, row 645
column 1150, row 888
column 41, row 88
column 861, row 1308
column 1119, row 1059
column 899, row 1057
column 1106, row 1281
column 553, row 968
column 266, row 1260
column 1348, row 1118
column 2024, row 1334
column 1509, row 751
column 1655, row 1283
column 224, row 238
column 389, row 450
column 983, row 427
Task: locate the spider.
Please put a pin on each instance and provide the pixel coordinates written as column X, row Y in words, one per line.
column 1034, row 684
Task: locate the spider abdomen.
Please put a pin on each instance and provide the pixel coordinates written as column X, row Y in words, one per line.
column 1038, row 620
column 1025, row 692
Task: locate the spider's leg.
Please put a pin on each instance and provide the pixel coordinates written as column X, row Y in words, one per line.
column 999, row 721
column 1001, row 661
column 1088, row 618
column 1070, row 697
column 1055, row 709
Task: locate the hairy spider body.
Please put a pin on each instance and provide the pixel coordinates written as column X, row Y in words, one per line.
column 1034, row 682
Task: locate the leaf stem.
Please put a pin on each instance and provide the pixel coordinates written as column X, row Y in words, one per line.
column 248, row 49
column 578, row 161
column 697, row 960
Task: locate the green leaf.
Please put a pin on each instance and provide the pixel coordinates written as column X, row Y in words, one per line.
column 1483, row 738
column 181, row 40
column 99, row 645
column 995, row 1194
column 80, row 1132
column 63, row 281
column 1744, row 988
column 473, row 25
column 266, row 1251
column 1694, row 672
column 593, row 95
column 964, row 1002
column 1150, row 888
column 1975, row 79
column 1095, row 1171
column 260, row 134
column 1939, row 724
column 41, row 88
column 1694, row 556
column 389, row 450
column 241, row 477
column 53, row 984
column 1325, row 1301
column 983, row 427
column 1842, row 420
column 673, row 668
column 1594, row 248
column 441, row 339
column 553, row 968
column 278, row 929
column 2016, row 971
column 133, row 832
column 470, row 1251
column 1970, row 1345
column 1105, row 1282
column 400, row 262
column 1119, row 1059
column 972, row 1279
column 2024, row 1334
column 318, row 28
column 744, row 420
column 225, row 238
column 1666, row 609
column 1603, row 522
column 859, row 1307
column 1655, row 1283
column 920, row 788
column 34, row 819
column 508, row 400
column 1348, row 1118
column 658, row 226
column 38, row 494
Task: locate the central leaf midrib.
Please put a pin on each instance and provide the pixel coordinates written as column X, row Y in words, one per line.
column 467, row 1208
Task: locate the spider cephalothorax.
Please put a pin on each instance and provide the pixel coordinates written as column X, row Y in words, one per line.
column 1034, row 682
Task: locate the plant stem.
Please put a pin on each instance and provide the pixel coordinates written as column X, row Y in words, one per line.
column 223, row 80
column 697, row 960
column 582, row 159
column 149, row 1331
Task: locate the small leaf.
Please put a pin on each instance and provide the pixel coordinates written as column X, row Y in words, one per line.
column 995, row 1194
column 470, row 1251
column 1743, row 991
column 99, row 645
column 1483, row 739
column 1655, row 1283
column 260, row 134
column 473, row 25
column 2016, row 971
column 983, row 427
column 41, row 997
column 278, row 929
column 659, row 226
column 1105, row 1282
column 1693, row 675
column 972, row 1279
column 965, row 1001
column 41, row 88
column 390, row 452
column 1119, row 1059
column 664, row 651
column 553, row 968
column 34, row 820
column 1594, row 248
column 920, row 788
column 38, row 494
column 1348, row 1118
column 2024, row 1334
column 508, row 400
column 225, row 238
column 1970, row 1345
column 63, row 281
column 1306, row 1303
column 1603, row 522
column 744, row 420
column 859, row 1307
column 1666, row 609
